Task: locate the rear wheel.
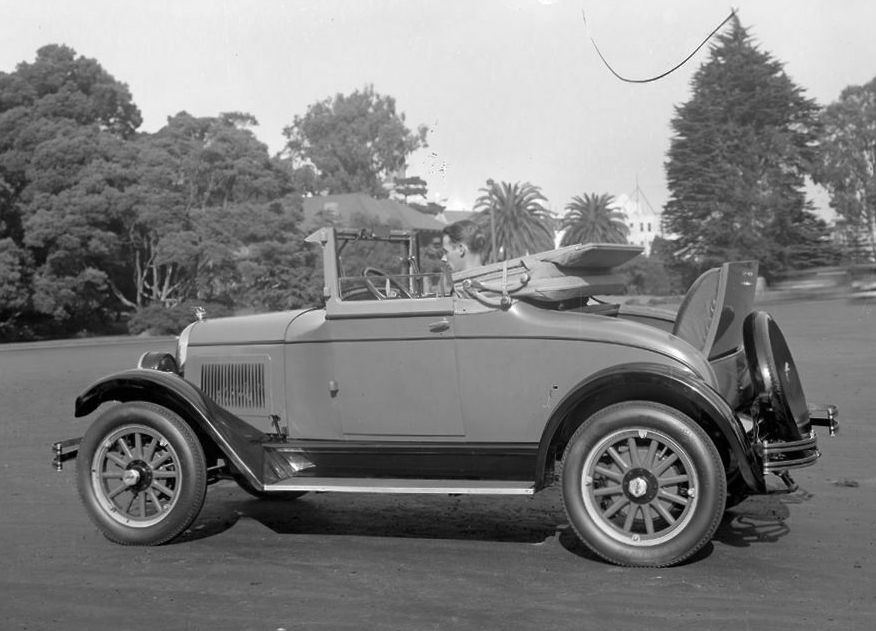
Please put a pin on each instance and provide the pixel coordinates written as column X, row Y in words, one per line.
column 141, row 474
column 643, row 485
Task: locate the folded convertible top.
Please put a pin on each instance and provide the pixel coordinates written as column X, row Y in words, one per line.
column 574, row 271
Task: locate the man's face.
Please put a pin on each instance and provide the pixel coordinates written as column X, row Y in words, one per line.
column 453, row 253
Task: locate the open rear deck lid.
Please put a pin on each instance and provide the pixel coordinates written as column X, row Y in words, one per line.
column 713, row 310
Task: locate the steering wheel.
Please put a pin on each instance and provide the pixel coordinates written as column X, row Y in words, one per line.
column 386, row 279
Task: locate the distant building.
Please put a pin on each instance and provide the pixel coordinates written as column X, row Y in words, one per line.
column 642, row 220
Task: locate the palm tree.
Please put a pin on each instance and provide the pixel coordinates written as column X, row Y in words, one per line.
column 522, row 224
column 594, row 219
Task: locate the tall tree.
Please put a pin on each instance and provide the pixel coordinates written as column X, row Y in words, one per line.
column 352, row 143
column 516, row 211
column 848, row 160
column 64, row 123
column 741, row 150
column 204, row 186
column 266, row 266
column 593, row 219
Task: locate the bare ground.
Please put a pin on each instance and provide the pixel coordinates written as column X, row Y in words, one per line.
column 805, row 560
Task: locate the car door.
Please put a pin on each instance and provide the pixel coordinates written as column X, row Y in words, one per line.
column 394, row 366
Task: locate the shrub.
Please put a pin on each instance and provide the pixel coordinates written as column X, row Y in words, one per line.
column 156, row 319
column 647, row 276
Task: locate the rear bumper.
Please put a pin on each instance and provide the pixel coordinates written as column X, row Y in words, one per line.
column 779, row 457
column 824, row 415
column 64, row 450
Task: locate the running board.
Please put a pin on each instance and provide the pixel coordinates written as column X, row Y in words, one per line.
column 402, row 485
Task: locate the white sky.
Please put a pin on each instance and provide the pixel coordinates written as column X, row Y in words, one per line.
column 511, row 89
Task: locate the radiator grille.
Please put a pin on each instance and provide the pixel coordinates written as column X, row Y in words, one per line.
column 240, row 385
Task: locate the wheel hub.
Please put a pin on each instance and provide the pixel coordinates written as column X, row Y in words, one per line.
column 137, row 476
column 640, row 485
column 131, row 477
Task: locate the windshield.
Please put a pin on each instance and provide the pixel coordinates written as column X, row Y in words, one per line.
column 392, row 265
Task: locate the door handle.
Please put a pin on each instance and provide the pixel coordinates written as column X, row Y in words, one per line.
column 439, row 325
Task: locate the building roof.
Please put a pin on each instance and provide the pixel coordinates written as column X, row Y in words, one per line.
column 452, row 216
column 634, row 209
column 342, row 208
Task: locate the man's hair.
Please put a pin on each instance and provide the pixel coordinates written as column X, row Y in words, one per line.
column 467, row 232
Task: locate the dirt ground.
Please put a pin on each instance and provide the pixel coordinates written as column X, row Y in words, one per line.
column 805, row 560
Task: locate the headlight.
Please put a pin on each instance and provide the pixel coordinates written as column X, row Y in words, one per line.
column 182, row 345
column 164, row 362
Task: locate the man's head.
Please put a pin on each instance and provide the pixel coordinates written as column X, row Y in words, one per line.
column 463, row 244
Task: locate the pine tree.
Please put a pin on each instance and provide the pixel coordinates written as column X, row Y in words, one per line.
column 741, row 150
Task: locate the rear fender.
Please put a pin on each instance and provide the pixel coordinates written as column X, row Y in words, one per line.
column 237, row 440
column 661, row 384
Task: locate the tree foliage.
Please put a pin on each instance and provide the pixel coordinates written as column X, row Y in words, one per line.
column 848, row 160
column 741, row 149
column 203, row 184
column 98, row 222
column 516, row 211
column 405, row 187
column 64, row 126
column 351, row 143
column 593, row 219
column 646, row 275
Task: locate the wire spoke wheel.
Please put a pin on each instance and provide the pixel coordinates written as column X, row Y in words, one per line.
column 643, row 484
column 141, row 474
column 136, row 476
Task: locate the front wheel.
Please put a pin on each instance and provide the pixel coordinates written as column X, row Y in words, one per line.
column 141, row 474
column 643, row 485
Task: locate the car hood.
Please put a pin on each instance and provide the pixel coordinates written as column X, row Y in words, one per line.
column 263, row 328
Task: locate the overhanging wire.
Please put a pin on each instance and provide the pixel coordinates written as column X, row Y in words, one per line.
column 671, row 70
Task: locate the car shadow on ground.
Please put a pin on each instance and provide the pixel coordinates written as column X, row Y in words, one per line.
column 756, row 520
column 518, row 519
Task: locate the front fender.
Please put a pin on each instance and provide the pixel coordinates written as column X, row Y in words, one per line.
column 662, row 384
column 238, row 441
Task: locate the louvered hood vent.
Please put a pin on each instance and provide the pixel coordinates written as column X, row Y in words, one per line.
column 239, row 385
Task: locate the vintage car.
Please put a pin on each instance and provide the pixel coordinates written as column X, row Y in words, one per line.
column 502, row 380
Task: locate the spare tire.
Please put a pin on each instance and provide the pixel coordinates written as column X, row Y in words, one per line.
column 775, row 376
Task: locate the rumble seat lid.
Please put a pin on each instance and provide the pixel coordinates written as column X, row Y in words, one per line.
column 712, row 313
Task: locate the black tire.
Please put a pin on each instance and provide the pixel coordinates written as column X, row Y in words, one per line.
column 774, row 374
column 141, row 474
column 643, row 485
column 284, row 496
